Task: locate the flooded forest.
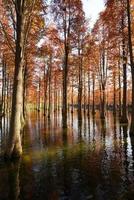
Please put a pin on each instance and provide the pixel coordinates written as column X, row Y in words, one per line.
column 66, row 99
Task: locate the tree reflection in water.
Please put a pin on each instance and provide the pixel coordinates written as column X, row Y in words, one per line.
column 92, row 159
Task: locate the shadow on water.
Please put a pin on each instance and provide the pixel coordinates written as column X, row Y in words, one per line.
column 91, row 159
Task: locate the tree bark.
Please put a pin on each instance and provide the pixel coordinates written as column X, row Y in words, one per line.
column 93, row 102
column 88, row 92
column 64, row 100
column 49, row 87
column 124, row 98
column 14, row 147
column 79, row 86
column 119, row 80
column 132, row 65
column 114, row 95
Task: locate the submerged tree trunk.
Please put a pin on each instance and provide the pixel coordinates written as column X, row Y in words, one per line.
column 2, row 106
column 45, row 87
column 39, row 96
column 24, row 91
column 124, row 98
column 49, row 86
column 14, row 147
column 67, row 24
column 93, row 102
column 103, row 84
column 79, row 86
column 88, row 92
column 72, row 97
column 84, row 100
column 55, row 93
column 64, row 100
column 103, row 104
column 119, row 80
column 132, row 65
column 114, row 94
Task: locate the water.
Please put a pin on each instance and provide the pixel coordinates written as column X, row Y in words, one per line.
column 91, row 160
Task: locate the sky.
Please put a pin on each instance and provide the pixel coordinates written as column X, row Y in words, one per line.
column 92, row 8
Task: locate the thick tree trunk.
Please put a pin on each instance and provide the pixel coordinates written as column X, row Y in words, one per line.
column 14, row 147
column 132, row 65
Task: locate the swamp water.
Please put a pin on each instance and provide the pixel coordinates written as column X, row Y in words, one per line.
column 91, row 160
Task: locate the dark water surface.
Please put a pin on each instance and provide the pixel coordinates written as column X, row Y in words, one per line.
column 90, row 160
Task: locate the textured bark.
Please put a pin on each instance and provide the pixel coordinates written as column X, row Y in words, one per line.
column 132, row 65
column 14, row 147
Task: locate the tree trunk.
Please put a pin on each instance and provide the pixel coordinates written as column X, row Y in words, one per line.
column 24, row 91
column 103, row 104
column 93, row 102
column 88, row 92
column 14, row 148
column 124, row 99
column 114, row 95
column 132, row 65
column 66, row 24
column 39, row 96
column 64, row 99
column 80, row 86
column 49, row 87
column 119, row 80
column 45, row 88
column 72, row 97
column 84, row 93
column 103, row 84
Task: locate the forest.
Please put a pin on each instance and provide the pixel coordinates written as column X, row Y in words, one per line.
column 66, row 100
